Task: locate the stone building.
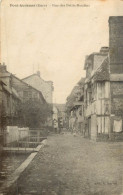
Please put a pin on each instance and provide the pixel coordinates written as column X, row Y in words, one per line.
column 32, row 113
column 46, row 87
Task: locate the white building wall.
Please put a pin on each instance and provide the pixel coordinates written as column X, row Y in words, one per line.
column 46, row 87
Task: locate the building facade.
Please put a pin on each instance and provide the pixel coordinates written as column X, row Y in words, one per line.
column 103, row 88
column 46, row 87
column 97, row 97
column 10, row 99
column 22, row 104
column 32, row 112
column 103, row 93
column 55, row 117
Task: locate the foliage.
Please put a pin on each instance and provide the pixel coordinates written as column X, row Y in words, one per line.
column 34, row 113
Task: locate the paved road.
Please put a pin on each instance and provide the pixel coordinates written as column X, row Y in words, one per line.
column 70, row 165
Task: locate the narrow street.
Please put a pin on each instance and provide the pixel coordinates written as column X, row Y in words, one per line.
column 70, row 165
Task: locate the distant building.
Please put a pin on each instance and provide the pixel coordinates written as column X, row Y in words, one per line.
column 75, row 107
column 33, row 104
column 46, row 87
column 55, row 117
column 61, row 110
column 59, row 113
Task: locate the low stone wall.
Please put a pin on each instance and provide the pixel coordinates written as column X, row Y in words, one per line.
column 102, row 137
column 23, row 132
column 14, row 133
column 116, row 136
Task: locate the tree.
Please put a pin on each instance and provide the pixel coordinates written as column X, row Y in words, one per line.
column 34, row 113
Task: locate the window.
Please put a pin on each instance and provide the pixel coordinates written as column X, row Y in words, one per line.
column 101, row 90
column 35, row 95
column 30, row 94
column 25, row 94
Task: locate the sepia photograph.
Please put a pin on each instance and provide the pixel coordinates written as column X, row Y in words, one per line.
column 61, row 97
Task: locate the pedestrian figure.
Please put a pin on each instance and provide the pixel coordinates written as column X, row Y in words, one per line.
column 60, row 124
column 85, row 127
column 80, row 123
column 73, row 123
column 55, row 124
column 75, row 128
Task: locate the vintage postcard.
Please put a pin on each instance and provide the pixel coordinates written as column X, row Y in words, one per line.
column 61, row 97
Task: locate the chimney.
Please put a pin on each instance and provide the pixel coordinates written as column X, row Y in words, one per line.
column 116, row 44
column 2, row 67
column 38, row 73
column 104, row 50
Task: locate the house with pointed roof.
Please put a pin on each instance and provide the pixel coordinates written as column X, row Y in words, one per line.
column 97, row 95
column 103, row 91
column 21, row 103
column 46, row 87
column 10, row 100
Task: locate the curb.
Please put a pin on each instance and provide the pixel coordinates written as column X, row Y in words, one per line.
column 15, row 176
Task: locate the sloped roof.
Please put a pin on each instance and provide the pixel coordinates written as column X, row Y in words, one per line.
column 102, row 73
column 15, row 93
column 81, row 81
column 11, row 91
column 5, row 74
column 35, row 74
column 2, row 82
column 73, row 92
column 8, row 89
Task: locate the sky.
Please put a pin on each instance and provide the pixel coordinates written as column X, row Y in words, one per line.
column 54, row 40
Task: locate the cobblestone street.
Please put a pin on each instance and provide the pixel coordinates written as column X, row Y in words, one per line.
column 70, row 165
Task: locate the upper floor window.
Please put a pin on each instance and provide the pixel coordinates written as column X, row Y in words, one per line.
column 35, row 95
column 101, row 90
column 27, row 94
